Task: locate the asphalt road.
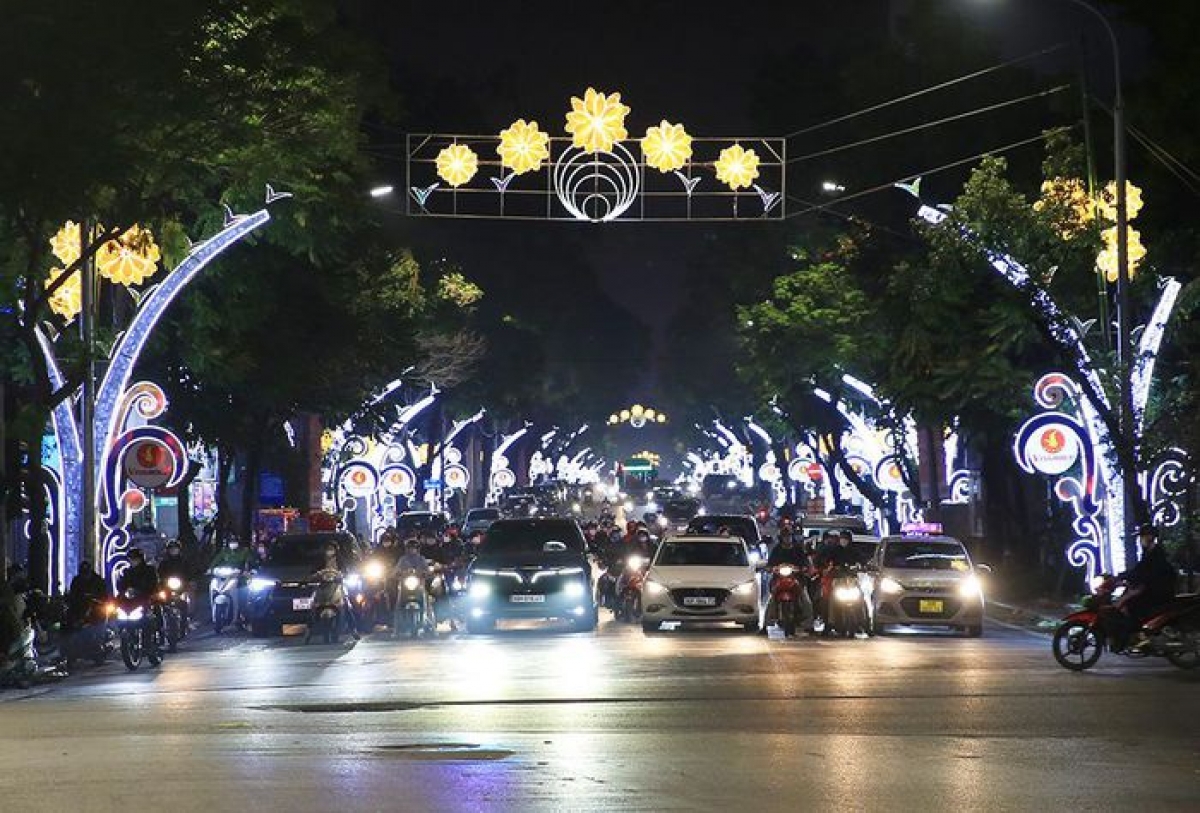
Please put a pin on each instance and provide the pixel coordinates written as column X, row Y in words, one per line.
column 526, row 720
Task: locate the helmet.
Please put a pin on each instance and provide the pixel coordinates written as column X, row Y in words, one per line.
column 173, row 546
column 1147, row 529
column 412, row 543
column 136, row 553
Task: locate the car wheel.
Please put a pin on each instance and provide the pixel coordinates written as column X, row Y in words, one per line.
column 263, row 629
column 751, row 627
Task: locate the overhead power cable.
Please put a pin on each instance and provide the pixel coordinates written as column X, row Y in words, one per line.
column 931, row 89
column 979, row 111
column 1160, row 153
column 933, row 171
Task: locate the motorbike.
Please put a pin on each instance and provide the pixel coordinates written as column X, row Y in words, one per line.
column 845, row 604
column 1173, row 632
column 412, row 605
column 92, row 638
column 138, row 630
column 221, row 596
column 326, row 614
column 19, row 666
column 785, row 591
column 174, row 599
column 629, row 589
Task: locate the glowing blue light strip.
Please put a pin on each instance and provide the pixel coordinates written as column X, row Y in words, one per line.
column 69, row 539
column 1148, row 346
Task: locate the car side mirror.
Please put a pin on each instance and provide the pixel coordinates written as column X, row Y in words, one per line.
column 982, row 568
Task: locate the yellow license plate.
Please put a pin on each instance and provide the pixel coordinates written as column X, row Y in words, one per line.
column 929, row 605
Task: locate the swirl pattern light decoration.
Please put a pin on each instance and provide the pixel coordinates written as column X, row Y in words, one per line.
column 667, row 147
column 597, row 186
column 1167, row 485
column 597, row 121
column 523, row 147
column 457, row 164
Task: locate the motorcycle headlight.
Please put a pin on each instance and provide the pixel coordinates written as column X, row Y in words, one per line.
column 663, row 522
column 846, row 594
column 224, row 572
column 745, row 589
column 457, row 584
column 480, row 590
column 654, row 588
column 970, row 587
column 174, row 583
column 411, row 582
column 786, row 571
column 257, row 585
column 353, row 581
column 374, row 571
column 635, row 562
column 890, row 587
column 576, row 507
column 652, row 506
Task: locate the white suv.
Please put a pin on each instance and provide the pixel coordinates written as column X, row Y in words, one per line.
column 701, row 579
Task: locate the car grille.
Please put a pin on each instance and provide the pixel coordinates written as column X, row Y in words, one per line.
column 679, row 596
column 912, row 607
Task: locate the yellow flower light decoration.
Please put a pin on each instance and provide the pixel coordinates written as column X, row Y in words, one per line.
column 1071, row 198
column 1107, row 259
column 736, row 167
column 131, row 259
column 457, row 164
column 597, row 121
column 67, row 300
column 66, row 243
column 523, row 147
column 667, row 147
column 1106, row 201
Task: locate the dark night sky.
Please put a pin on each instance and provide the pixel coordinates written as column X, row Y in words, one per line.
column 474, row 67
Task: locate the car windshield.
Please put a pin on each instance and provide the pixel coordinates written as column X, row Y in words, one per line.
column 681, row 509
column 304, row 549
column 531, row 537
column 738, row 526
column 479, row 514
column 926, row 556
column 675, row 553
column 418, row 522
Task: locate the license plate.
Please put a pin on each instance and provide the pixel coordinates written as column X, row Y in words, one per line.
column 699, row 601
column 530, row 599
column 302, row 603
column 929, row 605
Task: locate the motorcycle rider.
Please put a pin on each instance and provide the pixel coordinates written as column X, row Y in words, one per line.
column 87, row 587
column 174, row 565
column 787, row 552
column 1148, row 585
column 140, row 576
column 412, row 562
column 237, row 557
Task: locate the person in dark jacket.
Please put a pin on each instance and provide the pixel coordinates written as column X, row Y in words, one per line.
column 140, row 576
column 87, row 587
column 1151, row 582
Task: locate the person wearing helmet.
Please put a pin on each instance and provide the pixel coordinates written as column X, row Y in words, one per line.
column 140, row 576
column 1148, row 585
column 173, row 565
column 412, row 563
column 236, row 556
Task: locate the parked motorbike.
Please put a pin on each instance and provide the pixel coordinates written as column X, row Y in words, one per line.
column 19, row 667
column 138, row 630
column 629, row 589
column 221, row 596
column 326, row 614
column 91, row 637
column 845, row 603
column 174, row 600
column 786, row 585
column 1173, row 632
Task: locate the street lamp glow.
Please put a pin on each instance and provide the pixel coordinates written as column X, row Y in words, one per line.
column 381, row 191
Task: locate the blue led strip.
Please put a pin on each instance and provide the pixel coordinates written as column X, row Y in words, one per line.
column 67, row 533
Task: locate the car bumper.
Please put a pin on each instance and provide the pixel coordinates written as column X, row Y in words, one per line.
column 551, row 605
column 278, row 605
column 929, row 609
column 735, row 608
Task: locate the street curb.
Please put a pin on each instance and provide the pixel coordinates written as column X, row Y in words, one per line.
column 1022, row 617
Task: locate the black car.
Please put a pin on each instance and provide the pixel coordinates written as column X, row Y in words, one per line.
column 281, row 589
column 531, row 568
column 738, row 525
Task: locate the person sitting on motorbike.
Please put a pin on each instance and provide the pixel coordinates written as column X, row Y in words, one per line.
column 140, row 577
column 87, row 588
column 237, row 557
column 412, row 563
column 788, row 552
column 174, row 565
column 1148, row 585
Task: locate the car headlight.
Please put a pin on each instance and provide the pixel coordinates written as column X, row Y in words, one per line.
column 353, row 581
column 480, row 590
column 374, row 571
column 627, row 505
column 258, row 585
column 745, row 589
column 411, row 582
column 663, row 522
column 174, row 583
column 654, row 588
column 846, row 594
column 573, row 590
column 701, row 511
column 890, row 586
column 970, row 587
column 652, row 506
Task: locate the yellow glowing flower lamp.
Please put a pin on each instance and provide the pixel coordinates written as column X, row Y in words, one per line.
column 523, row 147
column 661, row 418
column 637, row 410
column 624, row 414
column 667, row 147
column 1070, row 194
column 131, row 259
column 67, row 300
column 66, row 243
column 597, row 121
column 457, row 164
column 1106, row 202
column 736, row 167
column 1107, row 260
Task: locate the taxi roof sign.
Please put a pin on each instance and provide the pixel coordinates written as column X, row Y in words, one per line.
column 921, row 529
